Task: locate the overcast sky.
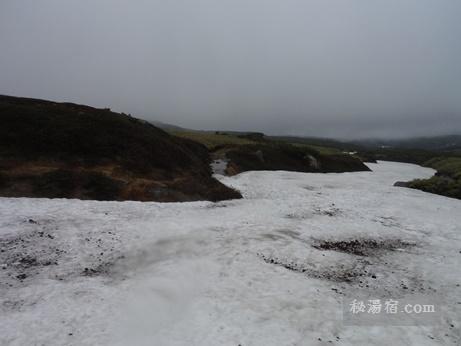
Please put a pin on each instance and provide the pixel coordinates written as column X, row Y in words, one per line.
column 337, row 68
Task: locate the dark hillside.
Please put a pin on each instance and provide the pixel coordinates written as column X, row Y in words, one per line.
column 283, row 156
column 50, row 149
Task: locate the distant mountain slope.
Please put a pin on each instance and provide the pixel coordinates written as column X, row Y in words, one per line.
column 436, row 143
column 50, row 149
column 316, row 141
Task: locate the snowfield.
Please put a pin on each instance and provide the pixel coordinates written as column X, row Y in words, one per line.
column 264, row 270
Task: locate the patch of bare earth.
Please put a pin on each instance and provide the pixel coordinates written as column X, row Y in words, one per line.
column 364, row 269
column 339, row 273
column 363, row 247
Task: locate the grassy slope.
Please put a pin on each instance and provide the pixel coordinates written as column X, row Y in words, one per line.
column 447, row 180
column 323, row 146
column 255, row 151
column 215, row 139
column 211, row 139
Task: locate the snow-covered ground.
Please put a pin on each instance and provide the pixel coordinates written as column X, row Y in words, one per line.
column 243, row 272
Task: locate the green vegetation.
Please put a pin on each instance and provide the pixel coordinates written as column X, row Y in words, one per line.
column 322, row 145
column 447, row 180
column 450, row 166
column 213, row 139
column 255, row 151
column 320, row 149
column 252, row 152
column 416, row 156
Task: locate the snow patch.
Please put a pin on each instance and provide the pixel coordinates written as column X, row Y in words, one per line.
column 271, row 269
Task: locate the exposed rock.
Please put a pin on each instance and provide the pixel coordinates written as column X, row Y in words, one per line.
column 313, row 162
column 401, row 184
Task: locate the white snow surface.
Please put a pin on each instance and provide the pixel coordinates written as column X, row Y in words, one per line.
column 195, row 274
